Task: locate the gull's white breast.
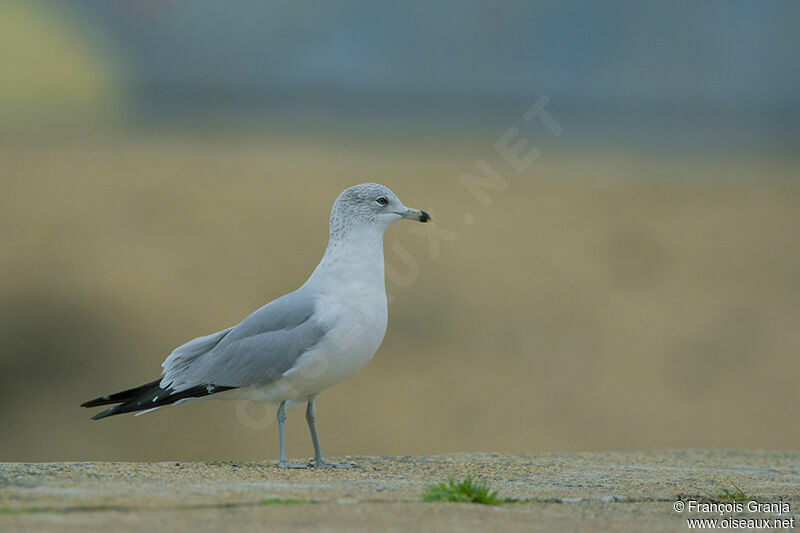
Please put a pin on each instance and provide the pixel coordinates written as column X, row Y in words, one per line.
column 359, row 325
column 357, row 316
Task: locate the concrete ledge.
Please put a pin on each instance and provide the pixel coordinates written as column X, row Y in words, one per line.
column 612, row 491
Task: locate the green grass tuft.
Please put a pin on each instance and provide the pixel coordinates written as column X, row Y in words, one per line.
column 725, row 495
column 730, row 495
column 13, row 510
column 280, row 501
column 467, row 491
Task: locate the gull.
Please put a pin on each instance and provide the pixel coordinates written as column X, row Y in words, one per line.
column 292, row 348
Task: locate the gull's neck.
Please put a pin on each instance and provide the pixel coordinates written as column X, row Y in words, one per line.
column 354, row 256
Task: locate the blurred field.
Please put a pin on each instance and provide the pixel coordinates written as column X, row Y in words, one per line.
column 604, row 301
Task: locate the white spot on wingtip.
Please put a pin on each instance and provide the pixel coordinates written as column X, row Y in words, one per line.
column 155, row 399
column 106, row 397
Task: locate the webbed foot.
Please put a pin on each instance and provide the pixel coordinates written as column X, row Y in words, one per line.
column 326, row 464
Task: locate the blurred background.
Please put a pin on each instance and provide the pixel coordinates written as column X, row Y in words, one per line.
column 167, row 166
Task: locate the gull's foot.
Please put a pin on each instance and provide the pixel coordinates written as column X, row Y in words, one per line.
column 326, row 464
column 287, row 464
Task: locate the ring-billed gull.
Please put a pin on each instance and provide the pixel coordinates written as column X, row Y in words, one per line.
column 293, row 348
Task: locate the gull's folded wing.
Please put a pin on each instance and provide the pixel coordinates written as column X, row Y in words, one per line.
column 256, row 352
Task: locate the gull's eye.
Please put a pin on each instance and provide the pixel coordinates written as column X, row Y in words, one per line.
column 382, row 201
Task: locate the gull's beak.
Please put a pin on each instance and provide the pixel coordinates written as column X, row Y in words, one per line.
column 416, row 214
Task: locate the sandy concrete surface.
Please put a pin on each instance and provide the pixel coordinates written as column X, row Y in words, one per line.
column 565, row 492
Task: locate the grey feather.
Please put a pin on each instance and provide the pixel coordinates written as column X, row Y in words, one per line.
column 183, row 356
column 256, row 352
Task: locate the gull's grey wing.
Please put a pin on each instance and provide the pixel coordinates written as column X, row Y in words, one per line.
column 254, row 353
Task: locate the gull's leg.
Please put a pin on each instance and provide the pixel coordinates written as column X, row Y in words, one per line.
column 283, row 463
column 312, row 427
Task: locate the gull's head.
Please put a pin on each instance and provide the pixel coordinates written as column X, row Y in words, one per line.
column 371, row 204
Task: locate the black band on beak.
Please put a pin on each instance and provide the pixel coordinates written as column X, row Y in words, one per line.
column 416, row 214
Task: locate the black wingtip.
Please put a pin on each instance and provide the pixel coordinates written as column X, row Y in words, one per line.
column 108, row 412
column 148, row 396
column 123, row 396
column 95, row 402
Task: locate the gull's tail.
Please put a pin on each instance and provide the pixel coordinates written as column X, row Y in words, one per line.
column 149, row 396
